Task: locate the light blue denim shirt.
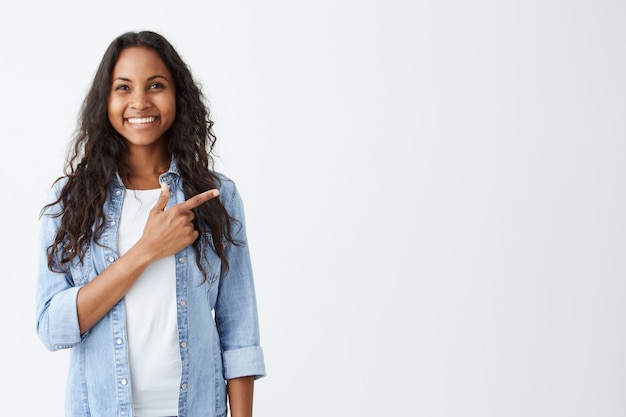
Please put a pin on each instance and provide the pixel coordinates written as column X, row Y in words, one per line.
column 217, row 319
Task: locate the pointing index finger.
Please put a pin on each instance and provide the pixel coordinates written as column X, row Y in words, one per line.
column 199, row 199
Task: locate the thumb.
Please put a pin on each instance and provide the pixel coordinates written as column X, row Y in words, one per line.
column 163, row 198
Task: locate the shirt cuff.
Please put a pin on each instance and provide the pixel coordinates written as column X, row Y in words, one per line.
column 64, row 329
column 246, row 361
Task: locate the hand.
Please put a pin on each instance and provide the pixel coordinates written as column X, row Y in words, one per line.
column 168, row 231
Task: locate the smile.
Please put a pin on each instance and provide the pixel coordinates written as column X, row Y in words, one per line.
column 143, row 120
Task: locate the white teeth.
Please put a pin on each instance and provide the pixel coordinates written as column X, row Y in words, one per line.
column 142, row 120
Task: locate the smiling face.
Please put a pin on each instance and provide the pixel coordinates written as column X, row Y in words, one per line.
column 142, row 100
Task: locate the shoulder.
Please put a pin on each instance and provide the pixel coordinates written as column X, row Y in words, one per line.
column 229, row 195
column 58, row 185
column 227, row 187
column 53, row 194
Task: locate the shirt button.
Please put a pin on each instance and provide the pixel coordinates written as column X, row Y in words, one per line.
column 184, row 386
column 118, row 340
column 183, row 345
column 118, row 192
column 124, row 381
column 183, row 303
column 182, row 259
column 110, row 259
column 112, row 223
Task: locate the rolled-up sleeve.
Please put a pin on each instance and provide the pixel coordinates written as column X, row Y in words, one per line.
column 56, row 315
column 236, row 308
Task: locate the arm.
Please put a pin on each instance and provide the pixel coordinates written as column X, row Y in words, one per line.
column 98, row 296
column 166, row 232
column 240, row 393
column 236, row 309
column 60, row 303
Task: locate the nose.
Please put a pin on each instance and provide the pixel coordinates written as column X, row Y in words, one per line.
column 139, row 100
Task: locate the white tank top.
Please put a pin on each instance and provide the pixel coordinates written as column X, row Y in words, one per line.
column 151, row 319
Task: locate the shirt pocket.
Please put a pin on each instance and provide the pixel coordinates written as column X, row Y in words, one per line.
column 211, row 262
column 212, row 265
column 82, row 272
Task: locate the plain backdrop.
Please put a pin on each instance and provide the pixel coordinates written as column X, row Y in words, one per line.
column 434, row 193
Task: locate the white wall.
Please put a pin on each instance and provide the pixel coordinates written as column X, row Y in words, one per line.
column 434, row 191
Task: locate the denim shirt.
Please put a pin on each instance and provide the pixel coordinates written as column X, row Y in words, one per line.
column 218, row 327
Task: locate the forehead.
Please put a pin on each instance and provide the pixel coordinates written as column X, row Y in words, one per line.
column 139, row 61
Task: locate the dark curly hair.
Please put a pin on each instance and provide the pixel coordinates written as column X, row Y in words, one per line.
column 97, row 152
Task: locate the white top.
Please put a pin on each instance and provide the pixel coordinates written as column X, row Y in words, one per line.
column 151, row 319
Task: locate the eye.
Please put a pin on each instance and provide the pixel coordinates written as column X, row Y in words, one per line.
column 121, row 87
column 155, row 86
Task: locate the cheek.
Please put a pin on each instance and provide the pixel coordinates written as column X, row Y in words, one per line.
column 113, row 110
column 170, row 111
column 114, row 115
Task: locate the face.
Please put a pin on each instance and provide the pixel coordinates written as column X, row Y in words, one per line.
column 142, row 100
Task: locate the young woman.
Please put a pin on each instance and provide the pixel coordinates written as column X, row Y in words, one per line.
column 144, row 269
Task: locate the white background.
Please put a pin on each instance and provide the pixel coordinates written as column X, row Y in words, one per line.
column 434, row 193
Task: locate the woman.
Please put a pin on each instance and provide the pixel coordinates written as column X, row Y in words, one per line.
column 144, row 268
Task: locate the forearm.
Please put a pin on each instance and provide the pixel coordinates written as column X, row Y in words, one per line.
column 165, row 233
column 240, row 395
column 99, row 296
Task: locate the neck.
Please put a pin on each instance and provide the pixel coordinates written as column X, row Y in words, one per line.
column 144, row 170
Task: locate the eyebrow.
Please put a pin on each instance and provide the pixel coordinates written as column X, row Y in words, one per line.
column 149, row 78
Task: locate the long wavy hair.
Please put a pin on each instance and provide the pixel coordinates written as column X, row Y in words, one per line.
column 97, row 152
